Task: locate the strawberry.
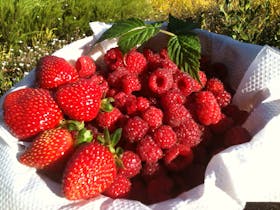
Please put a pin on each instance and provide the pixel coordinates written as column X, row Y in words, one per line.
column 48, row 148
column 89, row 172
column 29, row 111
column 53, row 71
column 80, row 100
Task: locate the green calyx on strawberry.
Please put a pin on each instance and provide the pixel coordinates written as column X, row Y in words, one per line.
column 92, row 168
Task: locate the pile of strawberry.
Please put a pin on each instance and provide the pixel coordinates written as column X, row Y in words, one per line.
column 139, row 128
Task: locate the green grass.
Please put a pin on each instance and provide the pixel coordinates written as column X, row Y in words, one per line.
column 30, row 29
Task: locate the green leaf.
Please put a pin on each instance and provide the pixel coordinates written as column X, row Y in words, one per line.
column 137, row 37
column 116, row 136
column 178, row 26
column 185, row 52
column 121, row 27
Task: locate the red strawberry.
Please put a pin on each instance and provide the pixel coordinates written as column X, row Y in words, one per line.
column 120, row 187
column 29, row 111
column 85, row 66
column 89, row 172
column 49, row 148
column 53, row 71
column 80, row 100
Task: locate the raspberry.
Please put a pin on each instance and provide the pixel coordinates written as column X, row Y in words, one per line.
column 160, row 81
column 130, row 83
column 160, row 189
column 135, row 129
column 208, row 110
column 153, row 59
column 164, row 136
column 113, row 58
column 236, row 135
column 85, row 66
column 131, row 164
column 153, row 116
column 114, row 78
column 214, row 85
column 148, row 150
column 176, row 115
column 108, row 119
column 184, row 82
column 101, row 81
column 224, row 124
column 178, row 157
column 197, row 86
column 131, row 105
column 135, row 62
column 121, row 100
column 189, row 133
column 142, row 103
column 151, row 170
column 120, row 188
column 171, row 97
column 223, row 98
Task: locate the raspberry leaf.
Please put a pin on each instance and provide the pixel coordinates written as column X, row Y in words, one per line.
column 121, row 27
column 178, row 26
column 137, row 36
column 185, row 52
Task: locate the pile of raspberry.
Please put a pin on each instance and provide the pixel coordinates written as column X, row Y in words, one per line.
column 171, row 123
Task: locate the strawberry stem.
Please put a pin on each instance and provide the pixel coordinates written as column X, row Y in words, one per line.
column 106, row 105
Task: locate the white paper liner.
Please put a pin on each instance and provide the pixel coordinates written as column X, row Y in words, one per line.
column 247, row 172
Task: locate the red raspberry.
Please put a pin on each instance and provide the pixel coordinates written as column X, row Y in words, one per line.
column 131, row 164
column 214, row 85
column 120, row 188
column 208, row 110
column 101, row 81
column 223, row 98
column 160, row 189
column 130, row 83
column 160, row 81
column 108, row 119
column 142, row 103
column 171, row 97
column 238, row 116
column 153, row 116
column 164, row 136
column 197, row 86
column 114, row 78
column 85, row 66
column 123, row 100
column 189, row 133
column 176, row 115
column 151, row 170
column 236, row 135
column 153, row 59
column 184, row 82
column 178, row 157
column 131, row 105
column 148, row 150
column 135, row 129
column 224, row 124
column 135, row 62
column 113, row 58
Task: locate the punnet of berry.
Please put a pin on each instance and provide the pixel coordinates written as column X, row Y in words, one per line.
column 140, row 124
